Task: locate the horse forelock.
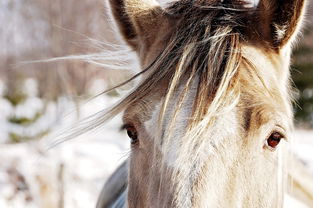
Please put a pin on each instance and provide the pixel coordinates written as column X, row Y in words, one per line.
column 202, row 60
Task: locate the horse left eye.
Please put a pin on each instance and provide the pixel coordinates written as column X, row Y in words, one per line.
column 132, row 134
column 274, row 140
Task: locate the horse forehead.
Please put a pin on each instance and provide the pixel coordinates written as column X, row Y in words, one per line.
column 142, row 110
column 226, row 125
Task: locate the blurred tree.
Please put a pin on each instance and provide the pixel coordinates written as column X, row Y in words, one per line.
column 302, row 74
column 43, row 29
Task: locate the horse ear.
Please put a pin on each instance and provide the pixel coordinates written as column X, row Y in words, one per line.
column 278, row 20
column 136, row 18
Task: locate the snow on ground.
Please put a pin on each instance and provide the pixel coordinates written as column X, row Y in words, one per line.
column 74, row 170
column 72, row 174
column 303, row 146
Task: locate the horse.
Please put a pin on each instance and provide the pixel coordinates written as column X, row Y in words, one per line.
column 210, row 120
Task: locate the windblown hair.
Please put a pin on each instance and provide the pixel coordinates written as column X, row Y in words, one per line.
column 204, row 47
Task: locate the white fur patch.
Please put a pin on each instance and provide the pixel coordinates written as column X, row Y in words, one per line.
column 153, row 121
column 165, row 3
column 225, row 126
column 248, row 4
column 178, row 129
column 280, row 31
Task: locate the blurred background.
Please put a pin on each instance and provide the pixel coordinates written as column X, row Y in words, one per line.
column 39, row 99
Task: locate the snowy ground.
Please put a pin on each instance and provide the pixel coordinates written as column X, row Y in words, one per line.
column 304, row 146
column 72, row 174
column 69, row 175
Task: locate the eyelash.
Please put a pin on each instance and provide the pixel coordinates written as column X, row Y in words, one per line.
column 131, row 132
column 273, row 140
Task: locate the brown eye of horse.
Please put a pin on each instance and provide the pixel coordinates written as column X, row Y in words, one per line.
column 274, row 140
column 132, row 134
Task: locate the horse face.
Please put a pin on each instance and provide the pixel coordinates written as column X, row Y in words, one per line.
column 240, row 157
column 236, row 160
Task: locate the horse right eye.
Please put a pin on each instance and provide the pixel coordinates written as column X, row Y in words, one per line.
column 274, row 139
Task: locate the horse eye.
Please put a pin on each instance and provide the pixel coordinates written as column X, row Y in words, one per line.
column 132, row 134
column 274, row 139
